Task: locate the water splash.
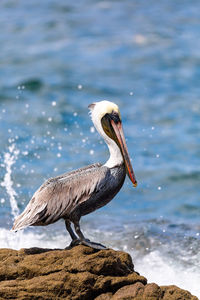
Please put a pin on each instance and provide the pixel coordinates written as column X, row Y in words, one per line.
column 9, row 160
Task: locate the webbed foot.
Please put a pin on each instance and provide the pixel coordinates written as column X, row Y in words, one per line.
column 86, row 242
column 93, row 245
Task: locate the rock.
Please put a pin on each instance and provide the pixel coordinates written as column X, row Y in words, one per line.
column 173, row 292
column 79, row 273
column 152, row 291
column 106, row 296
column 139, row 291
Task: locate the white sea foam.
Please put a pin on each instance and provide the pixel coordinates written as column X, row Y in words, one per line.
column 28, row 239
column 160, row 269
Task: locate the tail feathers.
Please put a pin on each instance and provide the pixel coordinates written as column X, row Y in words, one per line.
column 29, row 217
column 16, row 228
column 21, row 222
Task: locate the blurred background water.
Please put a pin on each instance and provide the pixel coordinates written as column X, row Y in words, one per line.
column 59, row 56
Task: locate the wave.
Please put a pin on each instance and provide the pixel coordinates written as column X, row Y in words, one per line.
column 29, row 239
column 157, row 267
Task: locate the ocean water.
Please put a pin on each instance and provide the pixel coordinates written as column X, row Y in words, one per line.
column 59, row 56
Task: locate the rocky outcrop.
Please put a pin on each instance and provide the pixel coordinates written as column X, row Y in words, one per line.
column 79, row 273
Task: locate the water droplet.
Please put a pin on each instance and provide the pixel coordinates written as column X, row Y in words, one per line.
column 91, row 152
column 58, row 155
column 75, row 114
column 53, row 103
column 159, row 188
column 80, row 87
column 131, row 93
column 25, row 153
column 92, row 129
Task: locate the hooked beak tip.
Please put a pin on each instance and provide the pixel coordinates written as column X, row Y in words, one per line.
column 135, row 184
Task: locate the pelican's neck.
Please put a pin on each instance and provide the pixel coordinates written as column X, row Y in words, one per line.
column 115, row 158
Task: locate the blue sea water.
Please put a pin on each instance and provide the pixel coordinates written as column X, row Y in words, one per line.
column 59, row 56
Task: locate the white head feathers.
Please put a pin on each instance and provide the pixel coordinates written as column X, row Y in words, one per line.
column 97, row 111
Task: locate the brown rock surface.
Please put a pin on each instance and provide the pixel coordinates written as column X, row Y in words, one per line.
column 80, row 273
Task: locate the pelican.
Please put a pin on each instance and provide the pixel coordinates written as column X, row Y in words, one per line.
column 75, row 194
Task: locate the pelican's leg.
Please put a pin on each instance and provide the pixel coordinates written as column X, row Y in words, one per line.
column 69, row 229
column 75, row 241
column 84, row 241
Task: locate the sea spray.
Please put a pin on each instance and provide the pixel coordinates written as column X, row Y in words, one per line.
column 12, row 240
column 9, row 160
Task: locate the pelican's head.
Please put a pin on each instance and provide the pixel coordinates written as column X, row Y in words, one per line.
column 107, row 119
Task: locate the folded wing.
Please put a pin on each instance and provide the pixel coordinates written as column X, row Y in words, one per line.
column 59, row 196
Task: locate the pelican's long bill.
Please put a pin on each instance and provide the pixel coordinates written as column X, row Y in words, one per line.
column 112, row 125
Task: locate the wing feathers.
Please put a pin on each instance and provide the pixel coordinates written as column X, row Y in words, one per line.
column 59, row 196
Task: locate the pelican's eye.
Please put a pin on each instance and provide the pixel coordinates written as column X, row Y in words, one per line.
column 115, row 117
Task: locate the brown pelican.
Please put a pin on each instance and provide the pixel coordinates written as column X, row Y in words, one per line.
column 75, row 194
